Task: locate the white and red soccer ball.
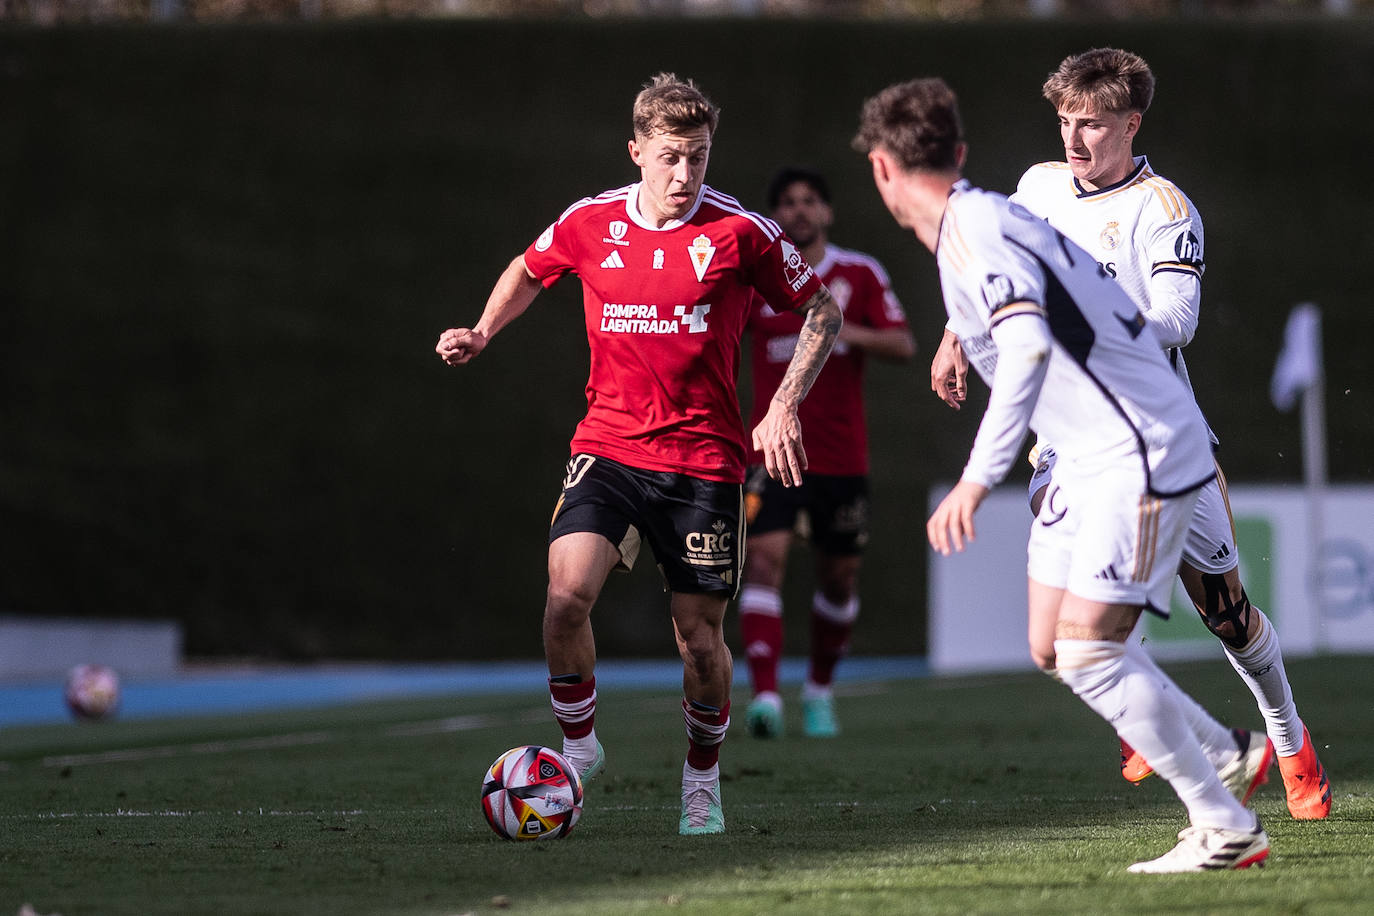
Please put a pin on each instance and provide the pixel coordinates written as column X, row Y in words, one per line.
column 532, row 793
column 92, row 691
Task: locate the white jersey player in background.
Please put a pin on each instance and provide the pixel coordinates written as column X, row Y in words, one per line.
column 1065, row 350
column 1148, row 235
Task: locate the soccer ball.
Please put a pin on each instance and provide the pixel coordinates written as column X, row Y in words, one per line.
column 92, row 691
column 532, row 793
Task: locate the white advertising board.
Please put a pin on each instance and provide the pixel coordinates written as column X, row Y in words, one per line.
column 1320, row 597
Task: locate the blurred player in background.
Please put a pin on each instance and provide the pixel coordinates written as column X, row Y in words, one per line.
column 669, row 267
column 1064, row 350
column 831, row 505
column 1148, row 235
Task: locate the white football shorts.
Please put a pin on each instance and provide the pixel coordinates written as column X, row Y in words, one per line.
column 1104, row 538
column 1211, row 543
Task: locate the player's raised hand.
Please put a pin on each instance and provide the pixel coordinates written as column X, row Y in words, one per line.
column 951, row 525
column 779, row 437
column 458, row 345
column 949, row 371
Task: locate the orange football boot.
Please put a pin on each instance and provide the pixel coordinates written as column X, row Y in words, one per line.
column 1304, row 780
column 1133, row 766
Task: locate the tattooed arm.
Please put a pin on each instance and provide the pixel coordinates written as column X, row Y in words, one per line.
column 779, row 436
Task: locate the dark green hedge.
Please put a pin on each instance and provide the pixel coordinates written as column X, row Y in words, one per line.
column 227, row 253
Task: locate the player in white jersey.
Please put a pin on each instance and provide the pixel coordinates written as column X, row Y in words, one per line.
column 1148, row 235
column 1065, row 350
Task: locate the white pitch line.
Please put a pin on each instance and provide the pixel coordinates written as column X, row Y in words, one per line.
column 122, row 812
column 464, row 723
column 172, row 750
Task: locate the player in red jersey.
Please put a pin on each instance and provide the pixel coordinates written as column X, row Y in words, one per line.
column 831, row 505
column 669, row 267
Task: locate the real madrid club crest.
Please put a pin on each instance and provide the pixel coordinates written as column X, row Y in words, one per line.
column 701, row 251
column 1110, row 237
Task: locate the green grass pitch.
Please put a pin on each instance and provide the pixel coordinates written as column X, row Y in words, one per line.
column 944, row 796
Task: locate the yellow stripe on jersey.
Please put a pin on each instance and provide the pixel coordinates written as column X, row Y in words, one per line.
column 955, row 249
column 1147, row 537
column 1174, row 205
column 1177, row 265
column 1015, row 308
column 1225, row 499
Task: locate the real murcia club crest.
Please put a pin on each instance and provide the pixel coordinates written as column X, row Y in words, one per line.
column 545, row 239
column 1111, row 236
column 701, row 251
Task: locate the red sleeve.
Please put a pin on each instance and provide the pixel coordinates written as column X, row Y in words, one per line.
column 881, row 310
column 782, row 275
column 554, row 253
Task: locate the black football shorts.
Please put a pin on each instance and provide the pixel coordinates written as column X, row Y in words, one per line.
column 695, row 527
column 830, row 510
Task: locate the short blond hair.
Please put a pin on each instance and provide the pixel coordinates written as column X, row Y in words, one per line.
column 1103, row 79
column 670, row 105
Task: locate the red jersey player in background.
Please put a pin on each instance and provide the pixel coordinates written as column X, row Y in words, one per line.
column 669, row 267
column 831, row 505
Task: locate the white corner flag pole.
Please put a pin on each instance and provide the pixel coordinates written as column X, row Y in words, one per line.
column 1299, row 371
column 1314, row 471
column 1299, row 381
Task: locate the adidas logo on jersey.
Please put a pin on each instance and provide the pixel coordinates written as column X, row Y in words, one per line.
column 1221, row 554
column 1109, row 574
column 613, row 260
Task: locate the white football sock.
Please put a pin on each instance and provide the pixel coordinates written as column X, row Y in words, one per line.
column 1218, row 744
column 694, row 777
column 1136, row 702
column 581, row 751
column 1260, row 666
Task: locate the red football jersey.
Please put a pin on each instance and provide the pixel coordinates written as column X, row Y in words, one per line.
column 834, row 431
column 665, row 309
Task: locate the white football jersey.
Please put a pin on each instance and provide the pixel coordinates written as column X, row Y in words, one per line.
column 1144, row 232
column 1015, row 289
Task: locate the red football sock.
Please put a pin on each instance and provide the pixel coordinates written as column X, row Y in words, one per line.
column 762, row 636
column 760, row 627
column 574, row 706
column 829, row 644
column 706, row 727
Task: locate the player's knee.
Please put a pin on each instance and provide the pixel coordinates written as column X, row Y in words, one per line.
column 1227, row 614
column 567, row 606
column 703, row 650
column 1045, row 661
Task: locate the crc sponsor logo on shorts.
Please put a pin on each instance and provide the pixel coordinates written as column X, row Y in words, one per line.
column 623, row 318
column 714, row 548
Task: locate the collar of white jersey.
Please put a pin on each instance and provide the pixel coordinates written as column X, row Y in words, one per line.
column 1141, row 166
column 959, row 187
column 642, row 221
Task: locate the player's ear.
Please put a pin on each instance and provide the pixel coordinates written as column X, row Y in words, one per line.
column 880, row 165
column 961, row 154
column 1132, row 124
column 635, row 155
